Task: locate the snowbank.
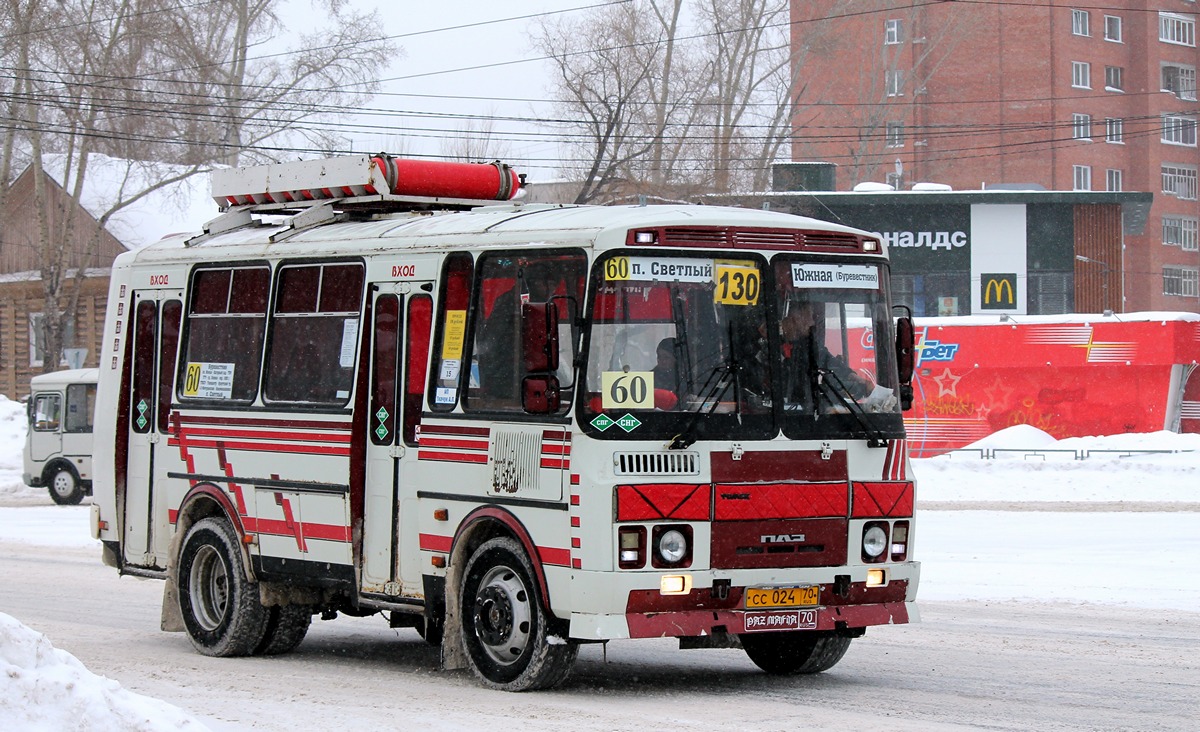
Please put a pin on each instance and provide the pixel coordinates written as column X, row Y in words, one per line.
column 44, row 688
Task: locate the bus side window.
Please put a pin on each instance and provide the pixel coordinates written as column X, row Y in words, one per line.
column 420, row 320
column 314, row 333
column 46, row 413
column 505, row 283
column 81, row 402
column 172, row 316
column 227, row 319
column 450, row 340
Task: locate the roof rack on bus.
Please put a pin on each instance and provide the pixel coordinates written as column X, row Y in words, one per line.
column 315, row 192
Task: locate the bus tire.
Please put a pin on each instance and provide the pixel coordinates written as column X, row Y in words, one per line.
column 795, row 652
column 505, row 626
column 220, row 607
column 63, row 483
column 286, row 627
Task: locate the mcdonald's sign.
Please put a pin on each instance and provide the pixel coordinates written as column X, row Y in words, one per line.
column 998, row 291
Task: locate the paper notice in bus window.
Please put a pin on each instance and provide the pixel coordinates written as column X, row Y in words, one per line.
column 836, row 276
column 449, row 370
column 445, row 395
column 456, row 328
column 208, row 380
column 627, row 390
column 349, row 336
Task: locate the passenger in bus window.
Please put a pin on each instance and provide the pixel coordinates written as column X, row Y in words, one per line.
column 498, row 345
column 668, row 386
column 803, row 350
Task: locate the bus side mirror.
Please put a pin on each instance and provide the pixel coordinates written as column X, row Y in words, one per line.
column 905, row 360
column 540, row 394
column 539, row 336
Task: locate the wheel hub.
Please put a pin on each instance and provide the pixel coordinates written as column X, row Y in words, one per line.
column 503, row 615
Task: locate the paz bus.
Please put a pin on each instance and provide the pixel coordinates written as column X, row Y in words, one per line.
column 58, row 445
column 376, row 385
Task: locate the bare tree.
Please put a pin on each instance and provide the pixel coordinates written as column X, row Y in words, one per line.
column 475, row 142
column 665, row 98
column 157, row 81
column 620, row 95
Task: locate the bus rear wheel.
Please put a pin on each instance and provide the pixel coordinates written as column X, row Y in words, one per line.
column 286, row 627
column 795, row 652
column 64, row 485
column 505, row 625
column 220, row 607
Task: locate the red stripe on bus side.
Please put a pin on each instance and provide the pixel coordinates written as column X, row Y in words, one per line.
column 436, row 543
column 451, row 457
column 279, row 527
column 266, row 447
column 446, row 429
column 252, row 422
column 455, row 443
column 254, row 434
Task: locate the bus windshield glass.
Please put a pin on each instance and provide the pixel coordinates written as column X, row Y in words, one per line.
column 837, row 360
column 675, row 346
column 706, row 347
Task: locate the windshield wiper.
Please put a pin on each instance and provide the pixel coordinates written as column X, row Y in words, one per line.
column 875, row 437
column 722, row 376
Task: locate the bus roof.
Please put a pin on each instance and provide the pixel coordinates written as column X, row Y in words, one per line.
column 487, row 226
column 65, row 377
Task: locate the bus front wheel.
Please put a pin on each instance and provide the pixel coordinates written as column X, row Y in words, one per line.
column 64, row 485
column 795, row 652
column 505, row 626
column 220, row 607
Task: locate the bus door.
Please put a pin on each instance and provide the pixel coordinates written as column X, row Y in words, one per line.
column 402, row 316
column 156, row 320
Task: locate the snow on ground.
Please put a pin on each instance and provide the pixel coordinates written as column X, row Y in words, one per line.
column 1119, row 531
column 45, row 689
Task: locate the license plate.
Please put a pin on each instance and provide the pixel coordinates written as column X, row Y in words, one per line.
column 764, row 597
column 780, row 620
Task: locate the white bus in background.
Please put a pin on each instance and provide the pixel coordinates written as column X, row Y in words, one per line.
column 58, row 446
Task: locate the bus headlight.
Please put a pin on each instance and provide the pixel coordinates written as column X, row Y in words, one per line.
column 672, row 546
column 874, row 542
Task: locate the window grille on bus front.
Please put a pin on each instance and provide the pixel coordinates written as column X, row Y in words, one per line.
column 656, row 463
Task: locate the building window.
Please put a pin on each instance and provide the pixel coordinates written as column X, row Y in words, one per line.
column 1179, row 80
column 1083, row 177
column 1114, row 130
column 1179, row 181
column 1112, row 28
column 1113, row 179
column 1081, row 126
column 37, row 339
column 1114, row 78
column 893, row 32
column 1181, row 281
column 1177, row 28
column 1080, row 23
column 1181, row 231
column 1179, row 130
column 895, row 134
column 895, row 83
column 1081, row 75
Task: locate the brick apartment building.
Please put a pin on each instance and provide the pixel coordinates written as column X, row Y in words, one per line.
column 1002, row 95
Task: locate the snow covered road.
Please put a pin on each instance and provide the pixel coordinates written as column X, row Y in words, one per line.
column 968, row 665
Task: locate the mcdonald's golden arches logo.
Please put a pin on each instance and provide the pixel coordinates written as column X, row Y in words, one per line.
column 998, row 291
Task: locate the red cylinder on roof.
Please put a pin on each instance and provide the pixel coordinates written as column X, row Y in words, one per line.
column 433, row 179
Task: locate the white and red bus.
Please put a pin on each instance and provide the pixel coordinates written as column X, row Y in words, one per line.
column 514, row 427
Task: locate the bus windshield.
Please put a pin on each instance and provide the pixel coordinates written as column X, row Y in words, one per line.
column 736, row 348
